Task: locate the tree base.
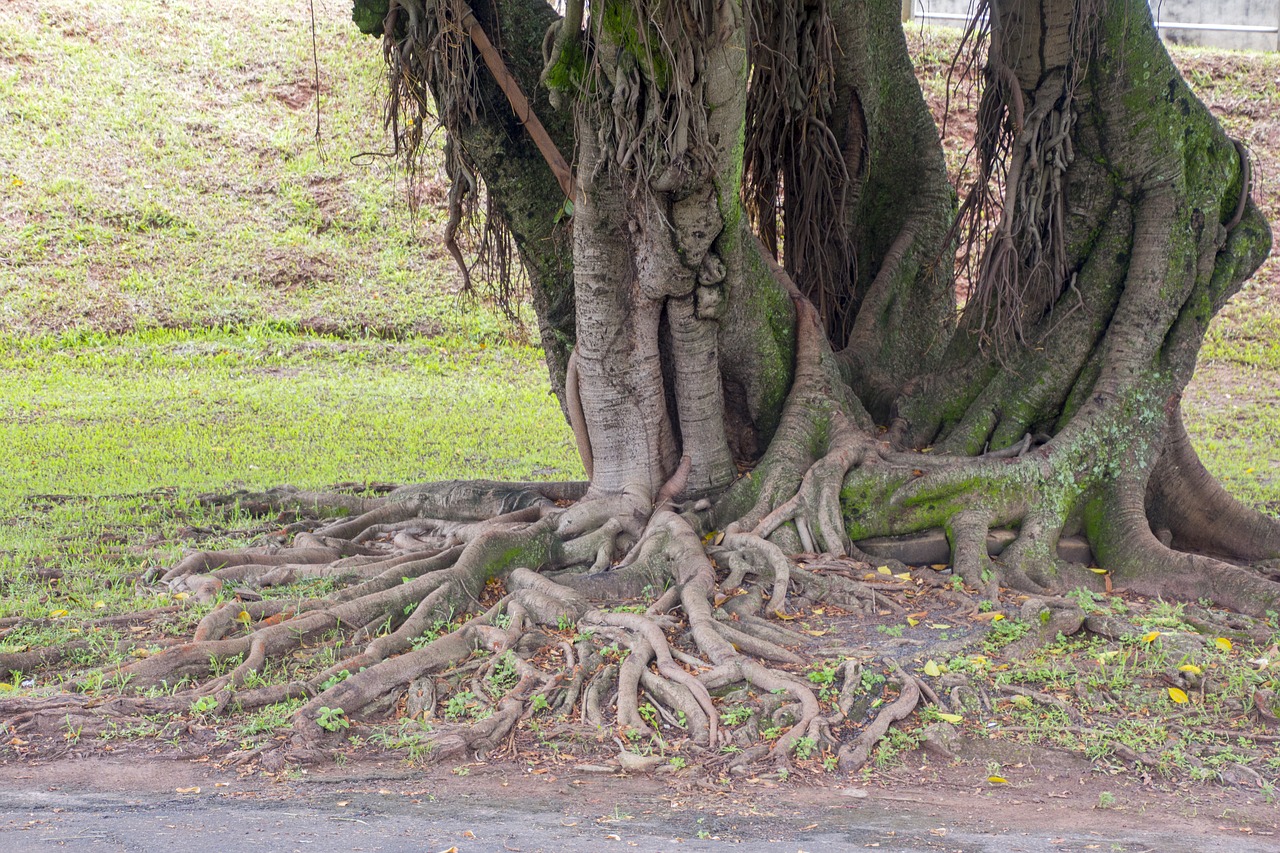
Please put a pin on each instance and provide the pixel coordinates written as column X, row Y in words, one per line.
column 609, row 620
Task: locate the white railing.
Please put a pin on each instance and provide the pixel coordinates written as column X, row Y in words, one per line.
column 956, row 12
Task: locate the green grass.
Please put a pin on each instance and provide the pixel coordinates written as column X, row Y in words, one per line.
column 161, row 170
column 196, row 295
column 107, row 418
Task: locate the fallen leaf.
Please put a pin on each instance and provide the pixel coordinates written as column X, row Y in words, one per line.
column 98, row 605
column 343, row 802
column 940, row 626
column 1223, row 643
column 903, row 576
column 912, row 622
column 932, row 669
column 181, row 596
column 194, row 789
column 57, row 614
column 1150, row 636
column 997, row 617
column 951, row 718
column 1177, row 696
column 466, row 833
column 1191, row 668
column 1097, row 571
column 884, row 570
column 815, row 633
column 997, row 780
column 243, row 616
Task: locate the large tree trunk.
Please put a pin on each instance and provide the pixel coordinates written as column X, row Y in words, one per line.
column 729, row 406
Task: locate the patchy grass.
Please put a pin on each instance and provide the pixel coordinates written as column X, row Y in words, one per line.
column 110, row 437
column 162, row 170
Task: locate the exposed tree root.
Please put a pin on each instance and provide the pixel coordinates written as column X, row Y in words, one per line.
column 477, row 605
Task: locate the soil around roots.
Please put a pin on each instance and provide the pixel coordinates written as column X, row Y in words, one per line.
column 492, row 621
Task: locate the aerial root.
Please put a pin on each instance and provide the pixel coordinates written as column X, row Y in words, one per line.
column 815, row 507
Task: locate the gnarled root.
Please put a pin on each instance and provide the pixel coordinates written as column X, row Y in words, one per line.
column 611, row 613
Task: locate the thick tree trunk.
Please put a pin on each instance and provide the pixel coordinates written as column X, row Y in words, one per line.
column 1049, row 407
column 1125, row 225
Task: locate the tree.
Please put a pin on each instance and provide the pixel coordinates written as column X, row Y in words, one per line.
column 748, row 306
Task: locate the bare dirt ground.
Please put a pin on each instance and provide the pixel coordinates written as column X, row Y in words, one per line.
column 981, row 786
column 177, row 804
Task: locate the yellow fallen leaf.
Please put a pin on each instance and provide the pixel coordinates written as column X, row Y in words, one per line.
column 951, row 718
column 997, row 780
column 939, row 625
column 182, row 596
column 1150, row 636
column 1177, row 696
column 938, row 566
column 932, row 669
column 57, row 614
column 903, row 576
column 1097, row 571
column 1223, row 643
column 997, row 617
column 243, row 616
column 884, row 570
column 912, row 622
column 98, row 605
column 815, row 633
column 194, row 789
column 1191, row 668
